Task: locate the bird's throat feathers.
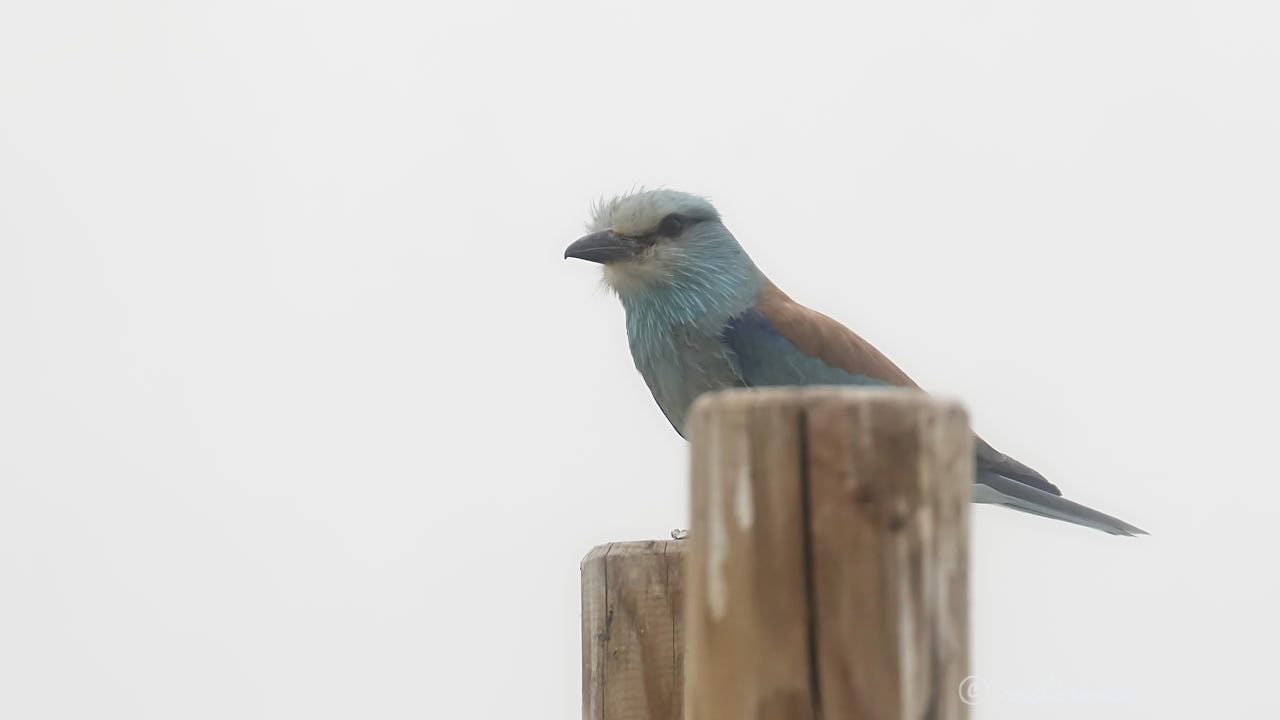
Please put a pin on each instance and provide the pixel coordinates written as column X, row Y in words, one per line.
column 697, row 286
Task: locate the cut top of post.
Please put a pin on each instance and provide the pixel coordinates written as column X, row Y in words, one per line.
column 817, row 396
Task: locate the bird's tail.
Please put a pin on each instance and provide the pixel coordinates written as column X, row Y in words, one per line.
column 1000, row 490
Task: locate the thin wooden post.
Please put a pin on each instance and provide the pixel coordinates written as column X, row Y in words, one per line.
column 633, row 631
column 828, row 565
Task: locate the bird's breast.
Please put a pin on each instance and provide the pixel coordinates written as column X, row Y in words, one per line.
column 680, row 365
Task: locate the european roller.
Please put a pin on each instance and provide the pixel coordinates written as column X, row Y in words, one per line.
column 701, row 316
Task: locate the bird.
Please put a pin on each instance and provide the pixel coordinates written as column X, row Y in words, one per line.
column 701, row 317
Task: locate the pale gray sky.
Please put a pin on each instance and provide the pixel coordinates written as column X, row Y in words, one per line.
column 303, row 415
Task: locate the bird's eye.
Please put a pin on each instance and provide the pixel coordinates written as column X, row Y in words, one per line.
column 671, row 226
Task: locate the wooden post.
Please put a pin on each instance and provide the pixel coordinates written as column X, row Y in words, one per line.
column 828, row 561
column 633, row 631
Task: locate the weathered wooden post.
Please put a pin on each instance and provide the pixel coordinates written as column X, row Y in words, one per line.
column 827, row 574
column 633, row 631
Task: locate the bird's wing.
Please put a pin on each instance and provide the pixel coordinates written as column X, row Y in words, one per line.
column 781, row 342
column 994, row 461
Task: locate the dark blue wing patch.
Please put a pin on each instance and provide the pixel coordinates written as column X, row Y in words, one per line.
column 763, row 356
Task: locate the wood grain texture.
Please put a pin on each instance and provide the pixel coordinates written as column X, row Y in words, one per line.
column 632, row 631
column 747, row 634
column 827, row 575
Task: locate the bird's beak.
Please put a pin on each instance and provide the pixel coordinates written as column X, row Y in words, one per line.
column 604, row 247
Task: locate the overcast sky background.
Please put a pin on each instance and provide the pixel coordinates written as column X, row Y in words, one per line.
column 303, row 415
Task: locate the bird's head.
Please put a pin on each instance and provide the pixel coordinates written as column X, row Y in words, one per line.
column 656, row 240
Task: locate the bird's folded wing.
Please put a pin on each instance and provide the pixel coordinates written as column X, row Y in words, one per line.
column 781, row 342
column 994, row 461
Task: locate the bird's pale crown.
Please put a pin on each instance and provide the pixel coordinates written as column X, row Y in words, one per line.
column 639, row 213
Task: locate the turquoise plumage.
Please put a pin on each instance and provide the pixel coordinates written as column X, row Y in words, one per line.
column 702, row 317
